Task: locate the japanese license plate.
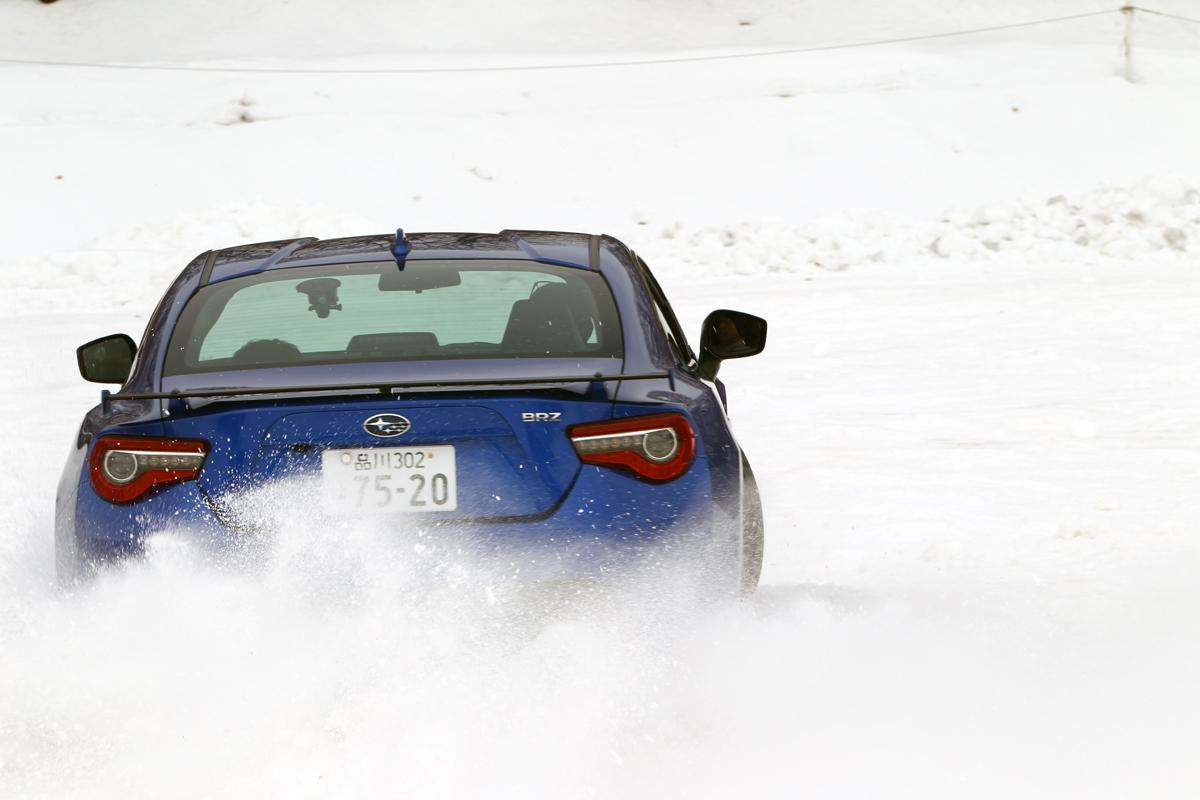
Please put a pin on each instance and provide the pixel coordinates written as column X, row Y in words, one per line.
column 390, row 479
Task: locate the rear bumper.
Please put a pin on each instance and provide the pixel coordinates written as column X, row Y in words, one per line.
column 608, row 520
column 99, row 532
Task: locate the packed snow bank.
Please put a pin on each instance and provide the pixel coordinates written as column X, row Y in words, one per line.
column 905, row 130
column 1159, row 220
column 140, row 262
column 1150, row 220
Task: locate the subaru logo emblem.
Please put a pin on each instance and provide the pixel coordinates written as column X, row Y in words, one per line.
column 386, row 426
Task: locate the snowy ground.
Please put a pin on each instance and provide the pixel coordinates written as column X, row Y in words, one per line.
column 976, row 426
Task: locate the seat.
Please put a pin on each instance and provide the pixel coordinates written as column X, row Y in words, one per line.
column 545, row 324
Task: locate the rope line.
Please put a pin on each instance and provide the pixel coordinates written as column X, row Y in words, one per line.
column 1164, row 14
column 582, row 65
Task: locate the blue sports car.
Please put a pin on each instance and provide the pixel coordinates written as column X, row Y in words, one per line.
column 526, row 388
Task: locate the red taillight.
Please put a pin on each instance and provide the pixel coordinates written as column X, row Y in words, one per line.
column 123, row 468
column 659, row 447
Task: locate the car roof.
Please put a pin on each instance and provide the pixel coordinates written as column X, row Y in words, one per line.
column 548, row 247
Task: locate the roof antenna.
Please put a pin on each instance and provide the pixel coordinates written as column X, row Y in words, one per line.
column 401, row 248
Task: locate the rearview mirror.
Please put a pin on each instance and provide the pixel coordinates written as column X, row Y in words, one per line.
column 729, row 334
column 107, row 359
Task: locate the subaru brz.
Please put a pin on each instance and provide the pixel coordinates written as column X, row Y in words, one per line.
column 527, row 388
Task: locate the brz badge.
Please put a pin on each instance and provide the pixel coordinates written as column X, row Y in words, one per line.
column 541, row 416
column 387, row 426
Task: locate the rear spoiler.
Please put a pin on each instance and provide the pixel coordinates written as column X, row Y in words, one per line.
column 387, row 388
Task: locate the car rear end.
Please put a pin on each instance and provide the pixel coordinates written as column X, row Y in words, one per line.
column 500, row 401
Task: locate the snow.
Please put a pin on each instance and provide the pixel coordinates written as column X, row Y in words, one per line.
column 975, row 427
column 136, row 31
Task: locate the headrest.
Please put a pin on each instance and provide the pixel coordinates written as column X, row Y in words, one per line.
column 266, row 351
column 569, row 299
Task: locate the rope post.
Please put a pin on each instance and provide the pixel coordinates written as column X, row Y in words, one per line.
column 1127, row 42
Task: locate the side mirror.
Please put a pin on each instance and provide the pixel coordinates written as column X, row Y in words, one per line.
column 107, row 359
column 729, row 334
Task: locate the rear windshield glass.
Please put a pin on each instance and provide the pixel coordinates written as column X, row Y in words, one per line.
column 376, row 312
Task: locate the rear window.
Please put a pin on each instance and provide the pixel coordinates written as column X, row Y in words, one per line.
column 430, row 310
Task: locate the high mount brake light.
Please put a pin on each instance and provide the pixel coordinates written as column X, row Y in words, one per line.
column 123, row 468
column 659, row 447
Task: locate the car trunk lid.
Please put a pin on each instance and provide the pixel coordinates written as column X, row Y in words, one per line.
column 510, row 455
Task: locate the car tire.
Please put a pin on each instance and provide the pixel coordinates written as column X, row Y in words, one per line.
column 752, row 530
